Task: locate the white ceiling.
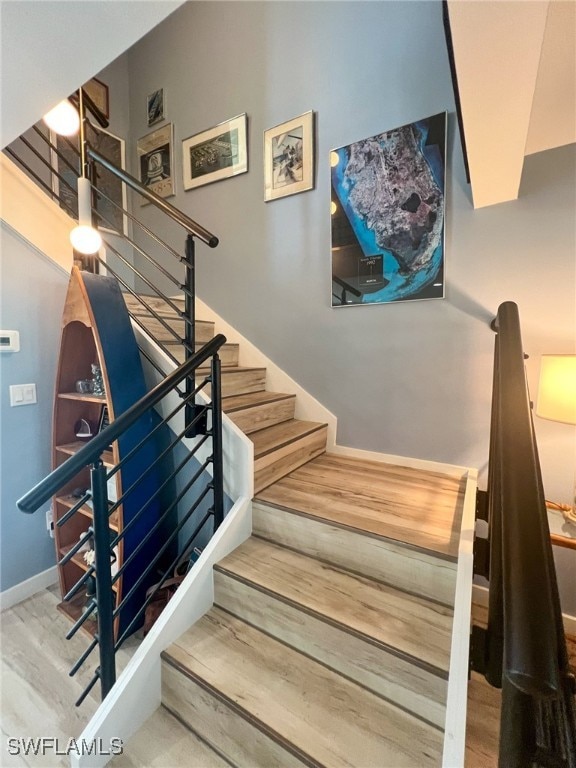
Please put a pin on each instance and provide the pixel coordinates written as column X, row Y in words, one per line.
column 50, row 47
column 516, row 70
column 516, row 65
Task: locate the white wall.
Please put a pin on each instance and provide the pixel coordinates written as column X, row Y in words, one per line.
column 411, row 378
column 33, row 290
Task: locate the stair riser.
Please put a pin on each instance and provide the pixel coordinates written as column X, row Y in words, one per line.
column 239, row 382
column 262, row 416
column 408, row 569
column 221, row 726
column 397, row 679
column 155, row 303
column 278, row 463
column 228, row 353
column 204, row 330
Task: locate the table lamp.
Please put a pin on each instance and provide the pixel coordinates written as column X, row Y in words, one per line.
column 557, row 402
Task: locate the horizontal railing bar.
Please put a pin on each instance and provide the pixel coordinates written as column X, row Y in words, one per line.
column 185, row 221
column 161, row 519
column 146, row 572
column 72, row 511
column 83, row 658
column 140, row 223
column 159, row 426
column 38, row 179
column 48, row 164
column 53, row 148
column 76, row 548
column 164, row 578
column 79, row 584
column 88, row 688
column 155, row 338
column 90, row 608
column 92, row 450
column 164, row 453
column 155, row 365
column 141, row 251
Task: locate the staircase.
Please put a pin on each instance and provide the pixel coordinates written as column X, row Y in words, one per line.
column 329, row 640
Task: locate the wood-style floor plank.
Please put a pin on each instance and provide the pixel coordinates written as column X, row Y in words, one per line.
column 419, row 507
column 412, row 625
column 300, row 701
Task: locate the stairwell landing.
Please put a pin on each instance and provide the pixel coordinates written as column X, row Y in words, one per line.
column 329, row 640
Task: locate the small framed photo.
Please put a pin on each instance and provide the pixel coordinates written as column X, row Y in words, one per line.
column 155, row 106
column 215, row 154
column 289, row 157
column 98, row 92
column 156, row 161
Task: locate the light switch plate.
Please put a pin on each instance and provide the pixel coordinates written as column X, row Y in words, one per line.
column 23, row 394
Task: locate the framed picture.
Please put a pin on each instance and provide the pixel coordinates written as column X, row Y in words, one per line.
column 98, row 92
column 111, row 203
column 215, row 154
column 155, row 107
column 156, row 161
column 289, row 157
column 387, row 215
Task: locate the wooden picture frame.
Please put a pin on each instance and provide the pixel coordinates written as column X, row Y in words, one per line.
column 156, row 161
column 156, row 106
column 215, row 154
column 100, row 95
column 112, row 203
column 289, row 157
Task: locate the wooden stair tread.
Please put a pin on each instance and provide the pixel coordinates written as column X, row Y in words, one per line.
column 155, row 302
column 412, row 625
column 319, row 715
column 271, row 438
column 252, row 400
column 418, row 507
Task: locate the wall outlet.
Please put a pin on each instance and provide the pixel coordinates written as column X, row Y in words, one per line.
column 50, row 522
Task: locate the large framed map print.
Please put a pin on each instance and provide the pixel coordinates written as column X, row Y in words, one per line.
column 387, row 215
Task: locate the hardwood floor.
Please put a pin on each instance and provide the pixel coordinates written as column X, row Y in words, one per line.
column 418, row 507
column 37, row 699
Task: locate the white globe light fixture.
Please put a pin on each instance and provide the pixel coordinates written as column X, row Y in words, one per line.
column 84, row 237
column 63, row 119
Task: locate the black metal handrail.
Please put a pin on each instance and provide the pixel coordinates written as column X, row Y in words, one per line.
column 45, row 489
column 149, row 538
column 526, row 650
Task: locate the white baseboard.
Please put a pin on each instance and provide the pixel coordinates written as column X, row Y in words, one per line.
column 401, row 461
column 27, row 588
column 480, row 596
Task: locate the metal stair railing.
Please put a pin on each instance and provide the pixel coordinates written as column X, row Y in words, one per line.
column 154, row 557
column 523, row 651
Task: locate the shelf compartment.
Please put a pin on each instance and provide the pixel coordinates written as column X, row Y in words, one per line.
column 72, row 448
column 86, row 510
column 79, row 561
column 85, row 398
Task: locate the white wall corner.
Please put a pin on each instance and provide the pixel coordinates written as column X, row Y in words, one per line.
column 27, row 210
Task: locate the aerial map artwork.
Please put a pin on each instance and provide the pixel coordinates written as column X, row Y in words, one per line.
column 388, row 215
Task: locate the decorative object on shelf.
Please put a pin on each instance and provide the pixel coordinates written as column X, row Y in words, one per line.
column 387, row 214
column 156, row 160
column 98, row 379
column 83, row 428
column 100, row 95
column 155, row 106
column 289, row 157
column 85, row 386
column 216, row 153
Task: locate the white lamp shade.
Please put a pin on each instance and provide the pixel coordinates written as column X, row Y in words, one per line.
column 63, row 119
column 557, row 388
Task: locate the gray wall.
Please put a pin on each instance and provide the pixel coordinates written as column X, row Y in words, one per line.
column 412, row 378
column 32, row 292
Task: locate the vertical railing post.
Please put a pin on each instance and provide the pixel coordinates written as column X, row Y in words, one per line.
column 217, row 462
column 199, row 427
column 104, row 594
